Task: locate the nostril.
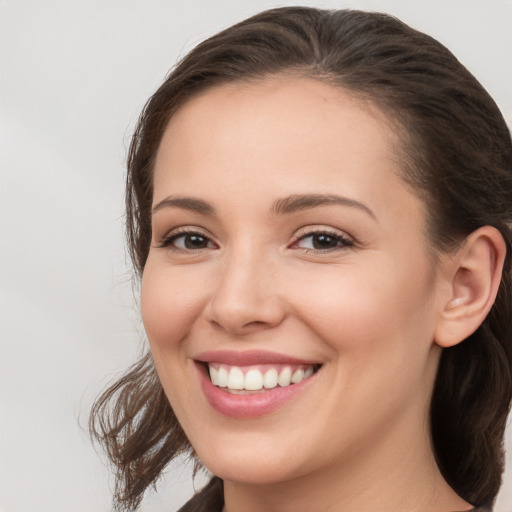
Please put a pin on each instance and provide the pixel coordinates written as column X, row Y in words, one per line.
column 255, row 322
column 233, row 326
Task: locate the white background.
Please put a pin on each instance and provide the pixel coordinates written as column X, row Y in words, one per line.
column 74, row 75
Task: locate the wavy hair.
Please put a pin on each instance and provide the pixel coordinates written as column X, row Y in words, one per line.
column 457, row 155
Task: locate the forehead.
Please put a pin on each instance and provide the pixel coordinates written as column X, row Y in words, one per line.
column 291, row 100
column 252, row 143
column 294, row 118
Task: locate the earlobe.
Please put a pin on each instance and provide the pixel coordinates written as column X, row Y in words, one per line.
column 474, row 276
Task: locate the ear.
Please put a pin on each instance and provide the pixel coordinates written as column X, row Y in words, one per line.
column 473, row 276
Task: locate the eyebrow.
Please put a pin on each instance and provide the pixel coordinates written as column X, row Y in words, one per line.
column 186, row 203
column 299, row 202
column 284, row 206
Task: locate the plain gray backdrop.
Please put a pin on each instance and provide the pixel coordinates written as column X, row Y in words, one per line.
column 74, row 76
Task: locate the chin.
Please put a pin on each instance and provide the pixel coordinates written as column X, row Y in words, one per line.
column 248, row 470
column 250, row 462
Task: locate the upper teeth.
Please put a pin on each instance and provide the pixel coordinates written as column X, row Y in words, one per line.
column 256, row 378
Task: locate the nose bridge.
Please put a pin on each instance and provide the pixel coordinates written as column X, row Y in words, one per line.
column 246, row 296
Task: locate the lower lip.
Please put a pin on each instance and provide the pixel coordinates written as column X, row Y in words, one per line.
column 249, row 406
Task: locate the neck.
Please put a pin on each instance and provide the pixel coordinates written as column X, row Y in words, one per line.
column 379, row 477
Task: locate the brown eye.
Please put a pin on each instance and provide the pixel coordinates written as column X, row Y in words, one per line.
column 323, row 241
column 194, row 241
column 189, row 241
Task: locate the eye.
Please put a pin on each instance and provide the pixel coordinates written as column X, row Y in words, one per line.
column 322, row 241
column 185, row 241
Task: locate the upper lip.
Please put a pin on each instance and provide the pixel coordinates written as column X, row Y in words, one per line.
column 249, row 357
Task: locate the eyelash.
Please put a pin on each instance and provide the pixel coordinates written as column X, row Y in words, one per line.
column 168, row 241
column 343, row 242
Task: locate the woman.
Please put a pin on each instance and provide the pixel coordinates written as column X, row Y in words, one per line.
column 319, row 206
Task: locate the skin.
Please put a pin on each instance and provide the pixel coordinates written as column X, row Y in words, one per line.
column 357, row 438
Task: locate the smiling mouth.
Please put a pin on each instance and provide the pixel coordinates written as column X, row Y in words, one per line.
column 254, row 379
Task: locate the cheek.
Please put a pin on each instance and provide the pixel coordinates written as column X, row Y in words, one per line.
column 361, row 309
column 170, row 306
column 378, row 329
column 170, row 303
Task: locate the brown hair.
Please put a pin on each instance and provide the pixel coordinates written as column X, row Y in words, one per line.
column 457, row 154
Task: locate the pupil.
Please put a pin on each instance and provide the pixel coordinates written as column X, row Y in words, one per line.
column 324, row 241
column 195, row 242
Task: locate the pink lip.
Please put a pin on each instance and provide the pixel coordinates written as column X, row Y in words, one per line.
column 254, row 405
column 249, row 358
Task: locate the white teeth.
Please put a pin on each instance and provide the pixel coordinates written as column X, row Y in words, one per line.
column 297, row 376
column 233, row 378
column 285, row 377
column 253, row 380
column 214, row 375
column 270, row 378
column 236, row 378
column 222, row 377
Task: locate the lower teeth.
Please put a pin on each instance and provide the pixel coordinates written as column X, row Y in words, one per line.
column 246, row 391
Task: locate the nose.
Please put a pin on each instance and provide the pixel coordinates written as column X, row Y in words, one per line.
column 246, row 297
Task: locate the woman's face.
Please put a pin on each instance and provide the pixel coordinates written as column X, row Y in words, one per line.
column 285, row 246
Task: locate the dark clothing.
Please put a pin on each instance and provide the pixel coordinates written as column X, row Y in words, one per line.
column 211, row 499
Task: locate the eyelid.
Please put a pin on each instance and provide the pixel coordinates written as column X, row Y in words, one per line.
column 347, row 240
column 165, row 241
